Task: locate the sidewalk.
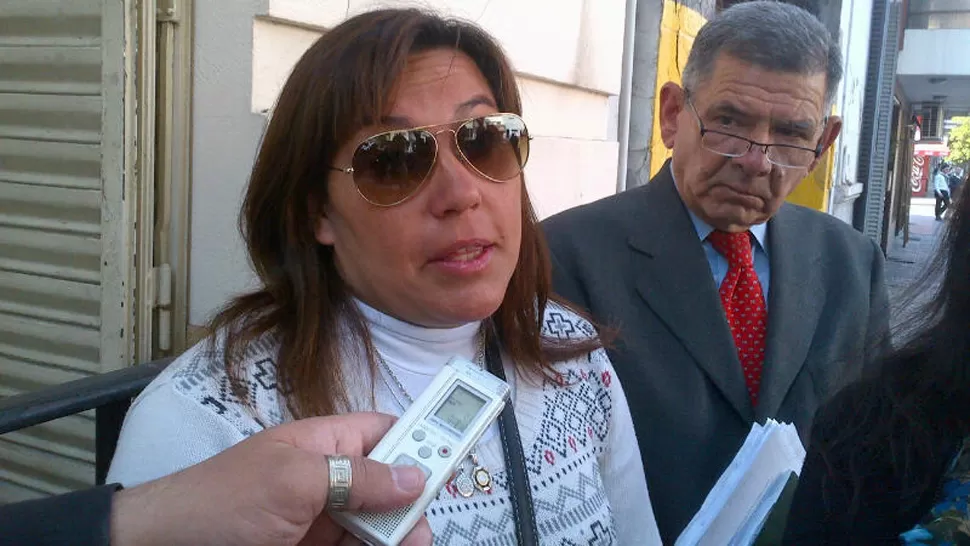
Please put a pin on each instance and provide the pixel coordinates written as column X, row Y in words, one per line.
column 904, row 265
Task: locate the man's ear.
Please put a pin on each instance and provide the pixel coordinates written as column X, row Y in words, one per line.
column 672, row 101
column 833, row 127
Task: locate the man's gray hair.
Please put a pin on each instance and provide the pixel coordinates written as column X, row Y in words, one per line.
column 770, row 35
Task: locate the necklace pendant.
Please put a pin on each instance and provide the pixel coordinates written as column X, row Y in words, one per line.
column 483, row 479
column 464, row 484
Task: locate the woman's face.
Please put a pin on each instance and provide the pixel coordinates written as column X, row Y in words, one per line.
column 444, row 256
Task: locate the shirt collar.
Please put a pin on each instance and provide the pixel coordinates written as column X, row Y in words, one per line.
column 703, row 229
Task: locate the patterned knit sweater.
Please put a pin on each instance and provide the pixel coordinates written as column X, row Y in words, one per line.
column 582, row 457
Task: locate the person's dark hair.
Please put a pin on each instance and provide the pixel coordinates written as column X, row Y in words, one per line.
column 771, row 35
column 912, row 410
column 341, row 84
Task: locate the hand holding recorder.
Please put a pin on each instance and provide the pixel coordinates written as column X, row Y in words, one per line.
column 276, row 488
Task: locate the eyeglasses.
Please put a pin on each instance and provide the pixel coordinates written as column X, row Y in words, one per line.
column 728, row 145
column 388, row 168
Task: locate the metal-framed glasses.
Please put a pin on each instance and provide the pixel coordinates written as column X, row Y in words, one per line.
column 730, row 145
column 390, row 167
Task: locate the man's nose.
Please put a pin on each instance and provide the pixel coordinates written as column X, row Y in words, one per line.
column 755, row 162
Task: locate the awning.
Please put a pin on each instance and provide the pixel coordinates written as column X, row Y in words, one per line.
column 935, row 149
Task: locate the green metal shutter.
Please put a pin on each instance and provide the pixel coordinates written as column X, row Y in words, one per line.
column 63, row 225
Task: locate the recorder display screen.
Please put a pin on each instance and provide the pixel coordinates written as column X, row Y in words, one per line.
column 459, row 409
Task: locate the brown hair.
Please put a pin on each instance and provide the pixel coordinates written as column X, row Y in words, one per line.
column 341, row 84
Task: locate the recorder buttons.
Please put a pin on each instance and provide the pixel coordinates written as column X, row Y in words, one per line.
column 424, row 452
column 418, row 435
column 405, row 460
column 444, row 451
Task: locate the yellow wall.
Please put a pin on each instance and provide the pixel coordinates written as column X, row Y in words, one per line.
column 813, row 191
column 678, row 27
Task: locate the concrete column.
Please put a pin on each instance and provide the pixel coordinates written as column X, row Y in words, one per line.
column 644, row 84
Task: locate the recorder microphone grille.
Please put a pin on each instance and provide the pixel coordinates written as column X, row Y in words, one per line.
column 384, row 523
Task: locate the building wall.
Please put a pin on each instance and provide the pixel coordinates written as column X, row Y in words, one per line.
column 924, row 52
column 567, row 54
column 938, row 14
column 814, row 191
column 643, row 85
column 854, row 40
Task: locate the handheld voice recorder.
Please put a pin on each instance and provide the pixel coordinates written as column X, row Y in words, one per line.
column 435, row 434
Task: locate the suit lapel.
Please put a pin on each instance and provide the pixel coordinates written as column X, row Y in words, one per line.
column 794, row 305
column 675, row 281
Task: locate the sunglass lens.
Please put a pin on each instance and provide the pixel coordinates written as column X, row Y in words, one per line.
column 389, row 167
column 497, row 146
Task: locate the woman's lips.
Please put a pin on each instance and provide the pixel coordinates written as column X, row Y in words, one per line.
column 465, row 257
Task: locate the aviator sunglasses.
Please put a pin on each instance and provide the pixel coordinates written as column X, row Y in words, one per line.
column 390, row 167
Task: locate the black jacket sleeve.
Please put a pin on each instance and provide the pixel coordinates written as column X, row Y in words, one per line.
column 80, row 518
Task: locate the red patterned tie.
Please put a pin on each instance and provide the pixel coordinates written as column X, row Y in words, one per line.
column 744, row 305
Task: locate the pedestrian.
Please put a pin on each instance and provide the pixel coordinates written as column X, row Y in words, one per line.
column 941, row 189
column 955, row 182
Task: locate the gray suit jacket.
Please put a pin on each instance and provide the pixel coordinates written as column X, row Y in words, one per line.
column 634, row 261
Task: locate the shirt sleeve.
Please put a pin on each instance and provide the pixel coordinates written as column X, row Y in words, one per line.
column 80, row 518
column 623, row 476
column 166, row 431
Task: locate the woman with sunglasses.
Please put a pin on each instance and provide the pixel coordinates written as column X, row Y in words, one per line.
column 389, row 224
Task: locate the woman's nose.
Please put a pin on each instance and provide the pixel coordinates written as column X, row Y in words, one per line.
column 455, row 186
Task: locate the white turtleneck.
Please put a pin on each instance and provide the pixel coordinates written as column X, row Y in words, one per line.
column 415, row 355
column 581, row 453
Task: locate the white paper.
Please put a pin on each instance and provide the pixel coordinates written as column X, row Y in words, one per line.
column 736, row 507
column 751, row 527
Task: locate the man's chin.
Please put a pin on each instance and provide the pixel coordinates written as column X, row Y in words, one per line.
column 736, row 219
column 733, row 198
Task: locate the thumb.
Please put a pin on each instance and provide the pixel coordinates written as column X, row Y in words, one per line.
column 378, row 487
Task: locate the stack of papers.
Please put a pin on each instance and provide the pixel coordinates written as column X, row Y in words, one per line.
column 739, row 503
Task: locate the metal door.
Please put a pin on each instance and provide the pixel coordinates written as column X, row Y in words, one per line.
column 65, row 227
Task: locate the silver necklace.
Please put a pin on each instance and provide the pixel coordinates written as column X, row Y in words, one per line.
column 465, row 482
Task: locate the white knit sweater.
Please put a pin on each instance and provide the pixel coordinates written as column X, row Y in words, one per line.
column 582, row 457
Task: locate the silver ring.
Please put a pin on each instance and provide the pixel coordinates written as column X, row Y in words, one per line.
column 341, row 479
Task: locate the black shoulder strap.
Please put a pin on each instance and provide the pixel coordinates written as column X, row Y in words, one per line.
column 521, row 493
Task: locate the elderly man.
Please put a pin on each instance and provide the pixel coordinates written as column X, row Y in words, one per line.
column 732, row 306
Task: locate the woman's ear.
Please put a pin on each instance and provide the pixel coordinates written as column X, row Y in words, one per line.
column 323, row 230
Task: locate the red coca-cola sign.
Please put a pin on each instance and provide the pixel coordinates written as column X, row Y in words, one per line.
column 919, row 177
